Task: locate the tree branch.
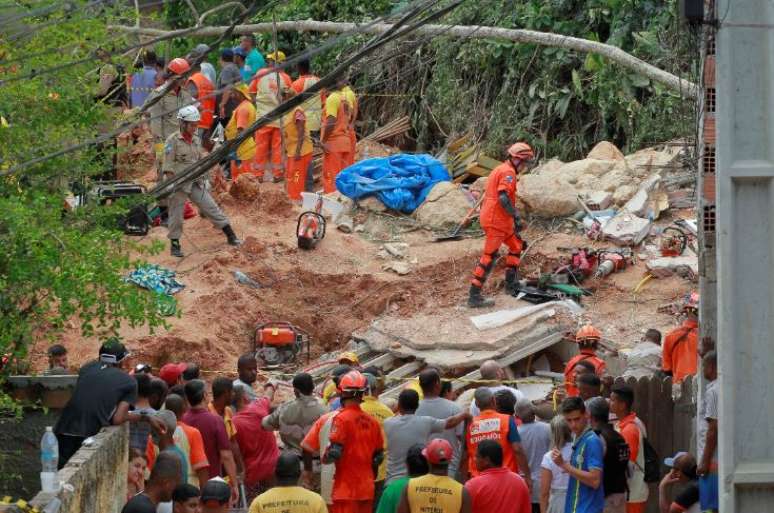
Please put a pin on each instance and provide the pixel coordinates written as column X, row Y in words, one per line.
column 613, row 53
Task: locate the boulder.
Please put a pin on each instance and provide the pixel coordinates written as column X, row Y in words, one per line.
column 479, row 186
column 444, row 208
column 246, row 188
column 645, row 162
column 605, row 151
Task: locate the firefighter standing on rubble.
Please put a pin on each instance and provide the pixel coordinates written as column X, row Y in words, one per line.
column 501, row 224
column 680, row 352
column 182, row 150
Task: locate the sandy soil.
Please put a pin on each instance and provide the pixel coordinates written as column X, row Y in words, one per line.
column 340, row 286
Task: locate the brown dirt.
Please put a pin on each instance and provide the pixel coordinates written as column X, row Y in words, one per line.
column 336, row 288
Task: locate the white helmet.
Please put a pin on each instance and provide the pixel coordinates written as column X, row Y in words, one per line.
column 189, row 113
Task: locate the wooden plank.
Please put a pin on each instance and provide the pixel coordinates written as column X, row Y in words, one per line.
column 461, row 178
column 478, row 171
column 488, row 162
column 381, row 361
column 406, row 369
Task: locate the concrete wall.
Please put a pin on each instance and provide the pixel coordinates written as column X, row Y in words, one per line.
column 94, row 480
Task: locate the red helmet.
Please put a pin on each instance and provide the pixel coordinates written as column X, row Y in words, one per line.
column 588, row 332
column 691, row 301
column 353, row 381
column 521, row 150
column 178, row 66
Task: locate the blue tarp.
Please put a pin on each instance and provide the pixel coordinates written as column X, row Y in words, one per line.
column 401, row 182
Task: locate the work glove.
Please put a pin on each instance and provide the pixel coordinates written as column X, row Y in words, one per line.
column 517, row 225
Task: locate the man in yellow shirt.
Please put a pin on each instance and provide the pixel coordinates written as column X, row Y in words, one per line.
column 298, row 147
column 435, row 491
column 351, row 98
column 287, row 496
column 243, row 116
column 335, row 136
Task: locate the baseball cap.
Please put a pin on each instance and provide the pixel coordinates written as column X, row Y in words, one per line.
column 670, row 462
column 227, row 52
column 112, row 351
column 438, row 451
column 171, row 372
column 684, row 462
column 216, row 490
column 238, row 50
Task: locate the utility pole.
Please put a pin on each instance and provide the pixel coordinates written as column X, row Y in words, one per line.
column 745, row 214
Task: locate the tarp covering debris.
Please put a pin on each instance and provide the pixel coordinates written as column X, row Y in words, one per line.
column 401, row 182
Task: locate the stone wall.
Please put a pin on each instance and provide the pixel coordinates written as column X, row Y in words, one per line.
column 94, row 480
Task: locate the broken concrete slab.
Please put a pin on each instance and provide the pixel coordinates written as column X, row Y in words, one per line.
column 598, row 200
column 502, row 317
column 400, row 268
column 448, row 339
column 626, row 229
column 686, row 265
column 396, row 249
column 650, row 200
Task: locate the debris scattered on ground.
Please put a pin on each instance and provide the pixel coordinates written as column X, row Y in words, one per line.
column 395, row 250
column 650, row 200
column 244, row 279
column 399, row 268
column 156, row 278
column 686, row 266
column 626, row 229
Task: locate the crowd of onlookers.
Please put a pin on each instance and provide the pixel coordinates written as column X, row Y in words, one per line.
column 199, row 446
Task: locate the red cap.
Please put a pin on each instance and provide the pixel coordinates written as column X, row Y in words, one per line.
column 171, row 372
column 438, row 451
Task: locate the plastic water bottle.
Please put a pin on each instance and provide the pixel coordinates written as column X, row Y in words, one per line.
column 49, row 459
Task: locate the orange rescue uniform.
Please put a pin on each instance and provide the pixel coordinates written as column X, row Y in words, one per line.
column 268, row 139
column 680, row 353
column 497, row 223
column 297, row 163
column 351, row 97
column 338, row 143
column 206, row 97
column 490, row 425
column 361, row 437
column 243, row 117
column 569, row 369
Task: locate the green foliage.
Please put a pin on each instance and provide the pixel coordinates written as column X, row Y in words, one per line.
column 57, row 266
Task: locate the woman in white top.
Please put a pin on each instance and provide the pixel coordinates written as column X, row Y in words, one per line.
column 553, row 480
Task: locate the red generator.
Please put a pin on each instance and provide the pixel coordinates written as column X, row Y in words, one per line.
column 279, row 343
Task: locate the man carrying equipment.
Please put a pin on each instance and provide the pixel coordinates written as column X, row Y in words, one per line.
column 181, row 151
column 501, row 224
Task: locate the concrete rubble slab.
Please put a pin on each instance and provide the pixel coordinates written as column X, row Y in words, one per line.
column 449, row 339
column 626, row 229
column 667, row 266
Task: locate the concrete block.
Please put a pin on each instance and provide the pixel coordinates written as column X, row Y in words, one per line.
column 626, row 229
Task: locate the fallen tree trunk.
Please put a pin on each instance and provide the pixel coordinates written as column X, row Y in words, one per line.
column 613, row 53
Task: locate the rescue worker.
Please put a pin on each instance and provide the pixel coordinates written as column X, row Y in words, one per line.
column 335, row 136
column 435, row 491
column 351, row 97
column 312, row 108
column 356, row 448
column 202, row 89
column 163, row 113
column 268, row 88
column 181, row 151
column 242, row 117
column 298, row 146
column 587, row 338
column 501, row 224
column 500, row 427
column 680, row 352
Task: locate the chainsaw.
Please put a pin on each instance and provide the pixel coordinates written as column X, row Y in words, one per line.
column 673, row 242
column 310, row 228
column 279, row 343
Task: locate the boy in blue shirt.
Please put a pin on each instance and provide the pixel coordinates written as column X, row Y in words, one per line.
column 584, row 492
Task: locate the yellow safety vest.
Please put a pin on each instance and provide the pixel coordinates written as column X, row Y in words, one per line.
column 434, row 494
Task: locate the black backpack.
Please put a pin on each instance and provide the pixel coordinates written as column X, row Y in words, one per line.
column 652, row 468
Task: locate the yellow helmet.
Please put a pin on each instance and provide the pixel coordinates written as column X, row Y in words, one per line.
column 242, row 88
column 278, row 56
column 349, row 357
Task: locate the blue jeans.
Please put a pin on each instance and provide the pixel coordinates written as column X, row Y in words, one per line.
column 708, row 492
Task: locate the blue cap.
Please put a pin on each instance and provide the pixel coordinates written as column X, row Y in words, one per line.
column 238, row 50
column 227, row 52
column 670, row 462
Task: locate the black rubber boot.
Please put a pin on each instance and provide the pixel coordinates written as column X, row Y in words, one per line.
column 231, row 236
column 476, row 300
column 174, row 248
column 512, row 282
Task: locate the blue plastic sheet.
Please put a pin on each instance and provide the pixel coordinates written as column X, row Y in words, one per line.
column 401, row 182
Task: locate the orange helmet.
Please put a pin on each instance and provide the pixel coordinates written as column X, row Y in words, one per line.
column 353, row 381
column 178, row 66
column 691, row 301
column 521, row 150
column 588, row 332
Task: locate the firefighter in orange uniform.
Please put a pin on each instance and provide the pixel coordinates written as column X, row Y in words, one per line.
column 203, row 90
column 501, row 223
column 335, row 137
column 298, row 146
column 356, row 448
column 679, row 357
column 587, row 338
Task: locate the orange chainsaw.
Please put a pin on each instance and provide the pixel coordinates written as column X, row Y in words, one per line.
column 310, row 228
column 278, row 343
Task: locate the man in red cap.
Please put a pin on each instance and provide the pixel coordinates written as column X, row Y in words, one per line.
column 496, row 488
column 172, row 373
column 356, row 448
column 436, row 491
column 501, row 224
